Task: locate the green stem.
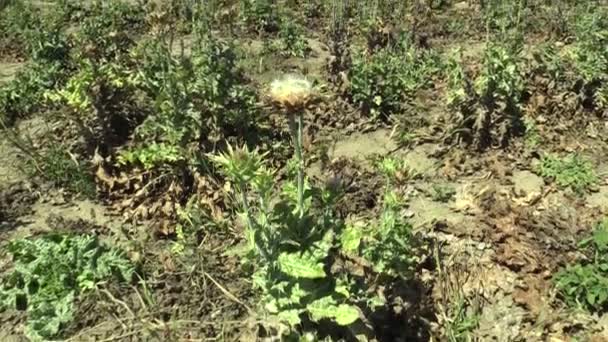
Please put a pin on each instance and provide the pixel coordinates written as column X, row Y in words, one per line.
column 300, row 167
column 250, row 223
column 295, row 124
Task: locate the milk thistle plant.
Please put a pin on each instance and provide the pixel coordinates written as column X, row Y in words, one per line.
column 295, row 242
column 289, row 240
column 292, row 94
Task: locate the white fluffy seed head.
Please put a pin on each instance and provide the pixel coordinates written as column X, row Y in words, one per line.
column 291, row 91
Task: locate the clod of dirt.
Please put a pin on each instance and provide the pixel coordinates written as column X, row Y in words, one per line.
column 427, row 211
column 361, row 188
column 501, row 321
column 599, row 199
column 15, row 201
column 526, row 182
column 43, row 213
column 362, row 145
column 419, row 161
column 8, row 71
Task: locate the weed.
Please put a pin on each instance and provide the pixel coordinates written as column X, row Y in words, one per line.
column 50, row 272
column 54, row 164
column 292, row 40
column 488, row 107
column 403, row 136
column 97, row 97
column 586, row 284
column 589, row 57
column 151, row 156
column 24, row 95
column 501, row 85
column 47, row 48
column 382, row 82
column 533, row 137
column 380, row 10
column 292, row 248
column 31, row 32
column 443, row 193
column 459, row 312
column 63, row 170
column 572, row 172
column 198, row 101
column 192, row 219
column 506, row 21
column 259, row 15
column 16, row 19
column 547, row 61
column 394, row 170
column 463, row 322
column 388, row 245
column 105, row 36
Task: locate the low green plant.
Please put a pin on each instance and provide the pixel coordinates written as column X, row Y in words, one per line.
column 591, row 32
column 259, row 15
column 54, row 164
column 463, row 321
column 382, row 82
column 193, row 217
column 547, row 61
column 16, row 19
column 386, row 242
column 501, row 84
column 395, row 170
column 31, row 32
column 100, row 91
column 487, row 107
column 506, row 21
column 533, row 137
column 96, row 98
column 50, row 272
column 199, row 101
column 47, row 49
column 442, row 193
column 292, row 41
column 49, row 43
column 24, row 95
column 151, row 156
column 585, row 284
column 572, row 172
column 63, row 170
column 110, row 31
column 587, row 55
column 289, row 244
column 459, row 90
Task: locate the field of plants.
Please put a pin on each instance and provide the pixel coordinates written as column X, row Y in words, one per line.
column 303, row 170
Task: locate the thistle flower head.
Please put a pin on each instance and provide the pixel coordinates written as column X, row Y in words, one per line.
column 291, row 91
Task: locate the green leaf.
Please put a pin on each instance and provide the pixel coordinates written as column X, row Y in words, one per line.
column 346, row 314
column 601, row 238
column 292, row 317
column 591, row 298
column 322, row 308
column 376, row 301
column 351, row 237
column 326, row 307
column 301, row 265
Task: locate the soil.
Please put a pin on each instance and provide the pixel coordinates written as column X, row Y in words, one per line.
column 495, row 245
column 8, row 71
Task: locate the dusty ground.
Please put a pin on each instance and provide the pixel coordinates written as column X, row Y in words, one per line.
column 495, row 245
